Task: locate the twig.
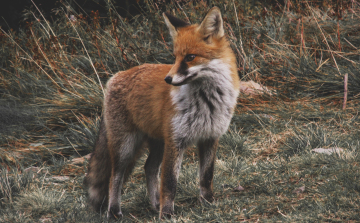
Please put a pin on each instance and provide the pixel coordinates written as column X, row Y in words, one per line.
column 338, row 33
column 237, row 19
column 73, row 146
column 345, row 91
column 281, row 213
column 62, row 194
column 135, row 218
column 321, row 64
column 350, row 43
column 302, row 49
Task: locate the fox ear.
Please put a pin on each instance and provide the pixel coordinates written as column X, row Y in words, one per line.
column 212, row 25
column 173, row 23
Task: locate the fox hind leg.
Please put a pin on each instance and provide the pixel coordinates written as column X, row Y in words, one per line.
column 152, row 169
column 125, row 150
column 97, row 178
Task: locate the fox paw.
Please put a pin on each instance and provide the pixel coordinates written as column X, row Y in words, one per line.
column 166, row 213
column 114, row 213
column 207, row 198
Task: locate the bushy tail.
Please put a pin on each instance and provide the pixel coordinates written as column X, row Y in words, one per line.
column 98, row 176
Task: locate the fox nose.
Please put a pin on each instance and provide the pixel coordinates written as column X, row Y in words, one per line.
column 168, row 79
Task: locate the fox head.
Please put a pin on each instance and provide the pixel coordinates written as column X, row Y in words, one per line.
column 197, row 46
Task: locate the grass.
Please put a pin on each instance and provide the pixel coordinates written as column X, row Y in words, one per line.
column 51, row 80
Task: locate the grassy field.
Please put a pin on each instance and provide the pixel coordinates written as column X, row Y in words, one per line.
column 291, row 154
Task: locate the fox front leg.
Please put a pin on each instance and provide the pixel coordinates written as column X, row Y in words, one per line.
column 169, row 175
column 152, row 169
column 207, row 153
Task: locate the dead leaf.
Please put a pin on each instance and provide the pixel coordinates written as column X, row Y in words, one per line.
column 239, row 188
column 252, row 88
column 328, row 150
column 80, row 160
column 299, row 190
column 36, row 144
column 59, row 178
column 33, row 169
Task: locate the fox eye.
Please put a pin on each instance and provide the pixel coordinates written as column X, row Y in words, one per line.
column 189, row 57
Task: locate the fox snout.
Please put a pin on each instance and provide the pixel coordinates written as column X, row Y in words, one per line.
column 179, row 79
column 179, row 74
column 171, row 76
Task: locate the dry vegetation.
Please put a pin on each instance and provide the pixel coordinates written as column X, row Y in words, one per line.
column 51, row 80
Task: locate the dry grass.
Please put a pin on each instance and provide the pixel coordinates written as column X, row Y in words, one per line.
column 51, row 82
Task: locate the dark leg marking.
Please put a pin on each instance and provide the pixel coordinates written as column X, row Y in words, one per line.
column 152, row 168
column 207, row 153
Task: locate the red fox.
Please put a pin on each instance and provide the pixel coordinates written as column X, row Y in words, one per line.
column 171, row 107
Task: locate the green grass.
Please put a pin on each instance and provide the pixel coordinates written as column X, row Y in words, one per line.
column 51, row 79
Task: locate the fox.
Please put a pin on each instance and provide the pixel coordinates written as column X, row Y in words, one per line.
column 168, row 107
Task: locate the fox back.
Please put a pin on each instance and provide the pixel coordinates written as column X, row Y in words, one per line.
column 169, row 107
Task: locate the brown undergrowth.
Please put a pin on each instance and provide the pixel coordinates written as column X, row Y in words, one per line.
column 52, row 76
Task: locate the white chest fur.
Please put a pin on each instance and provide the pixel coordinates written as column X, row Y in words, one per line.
column 205, row 105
